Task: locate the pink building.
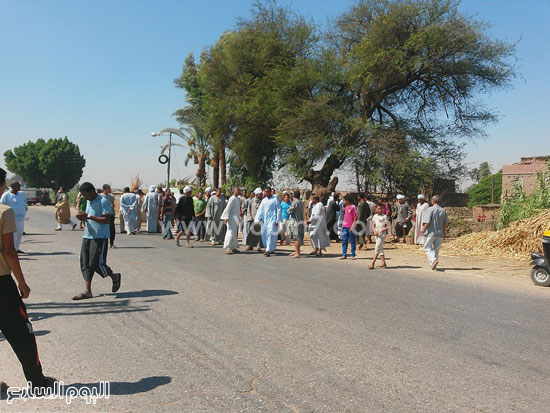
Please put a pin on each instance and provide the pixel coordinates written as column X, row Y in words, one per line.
column 525, row 173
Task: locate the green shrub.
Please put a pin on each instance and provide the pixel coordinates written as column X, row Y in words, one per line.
column 521, row 206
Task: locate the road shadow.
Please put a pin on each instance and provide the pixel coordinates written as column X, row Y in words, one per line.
column 119, row 388
column 145, row 293
column 36, row 234
column 135, row 248
column 32, row 254
column 405, row 267
column 39, row 311
column 36, row 333
column 459, row 269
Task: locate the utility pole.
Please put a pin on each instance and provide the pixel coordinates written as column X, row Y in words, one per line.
column 169, row 159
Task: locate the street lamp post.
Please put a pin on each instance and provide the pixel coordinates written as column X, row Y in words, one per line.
column 154, row 134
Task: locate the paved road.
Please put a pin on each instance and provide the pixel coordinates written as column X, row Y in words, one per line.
column 198, row 330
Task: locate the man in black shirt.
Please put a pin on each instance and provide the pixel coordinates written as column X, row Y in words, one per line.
column 185, row 214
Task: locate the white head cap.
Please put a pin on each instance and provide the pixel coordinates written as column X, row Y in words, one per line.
column 186, row 189
column 153, row 188
column 258, row 191
column 421, row 196
column 400, row 196
column 208, row 189
column 285, row 192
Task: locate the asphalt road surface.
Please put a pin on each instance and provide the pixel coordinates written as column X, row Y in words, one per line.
column 195, row 329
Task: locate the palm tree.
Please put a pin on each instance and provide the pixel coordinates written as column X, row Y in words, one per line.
column 197, row 144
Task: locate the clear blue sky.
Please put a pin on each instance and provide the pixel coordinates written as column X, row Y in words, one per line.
column 101, row 72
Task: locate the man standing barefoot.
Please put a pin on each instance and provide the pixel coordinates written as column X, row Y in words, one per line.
column 93, row 254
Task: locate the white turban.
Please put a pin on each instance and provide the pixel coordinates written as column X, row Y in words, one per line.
column 258, row 191
column 153, row 188
column 208, row 189
column 186, row 189
column 400, row 196
column 421, row 196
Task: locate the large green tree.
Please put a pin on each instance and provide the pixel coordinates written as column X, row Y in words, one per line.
column 414, row 66
column 47, row 164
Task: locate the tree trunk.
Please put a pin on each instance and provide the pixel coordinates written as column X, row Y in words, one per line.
column 223, row 170
column 216, row 171
column 202, row 171
column 321, row 182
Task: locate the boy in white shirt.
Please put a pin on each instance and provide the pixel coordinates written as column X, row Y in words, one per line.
column 381, row 226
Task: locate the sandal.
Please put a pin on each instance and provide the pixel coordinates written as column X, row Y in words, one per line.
column 371, row 267
column 188, row 246
column 82, row 296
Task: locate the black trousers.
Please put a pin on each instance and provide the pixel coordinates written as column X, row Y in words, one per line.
column 112, row 231
column 16, row 327
column 200, row 227
column 93, row 258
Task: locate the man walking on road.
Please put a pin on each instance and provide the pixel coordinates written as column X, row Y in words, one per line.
column 14, row 322
column 184, row 214
column 93, row 253
column 269, row 214
column 17, row 200
column 231, row 216
column 109, row 196
column 434, row 226
column 63, row 210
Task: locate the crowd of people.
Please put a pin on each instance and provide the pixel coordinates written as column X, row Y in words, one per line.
column 265, row 218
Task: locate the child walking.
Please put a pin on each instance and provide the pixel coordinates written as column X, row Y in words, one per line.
column 348, row 228
column 381, row 226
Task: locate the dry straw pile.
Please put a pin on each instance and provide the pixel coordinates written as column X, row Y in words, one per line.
column 516, row 241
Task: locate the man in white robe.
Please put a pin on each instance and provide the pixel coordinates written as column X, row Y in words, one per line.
column 17, row 200
column 231, row 216
column 318, row 228
column 128, row 211
column 421, row 211
column 150, row 207
column 269, row 214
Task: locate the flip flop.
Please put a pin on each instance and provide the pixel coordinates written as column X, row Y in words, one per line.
column 81, row 296
column 116, row 283
column 188, row 246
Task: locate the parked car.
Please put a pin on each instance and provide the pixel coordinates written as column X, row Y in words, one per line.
column 33, row 195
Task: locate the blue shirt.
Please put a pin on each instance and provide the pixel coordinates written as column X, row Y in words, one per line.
column 99, row 207
column 17, row 201
column 284, row 210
